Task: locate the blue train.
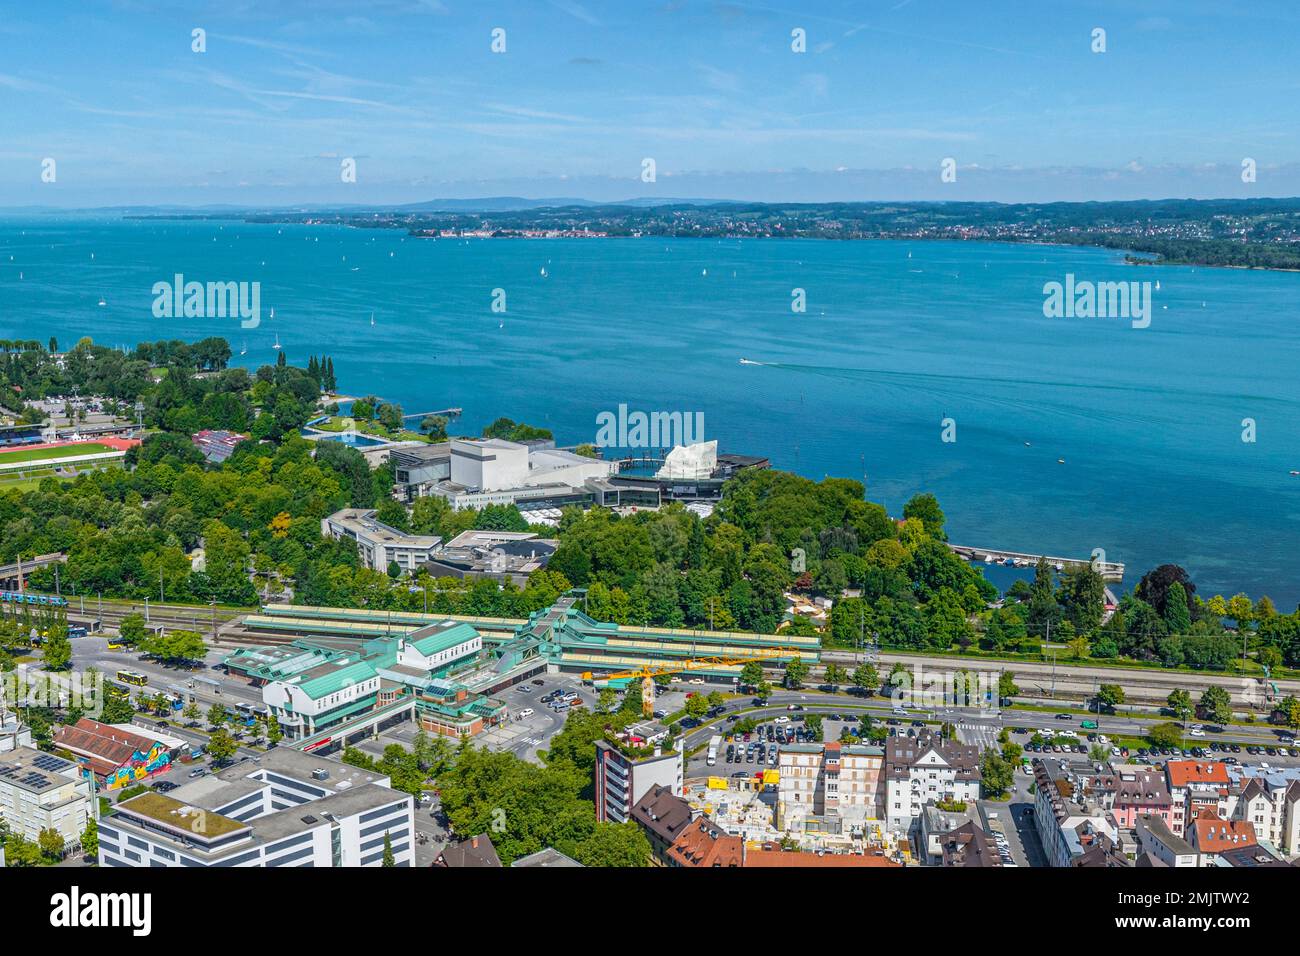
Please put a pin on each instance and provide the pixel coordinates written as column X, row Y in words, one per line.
column 25, row 597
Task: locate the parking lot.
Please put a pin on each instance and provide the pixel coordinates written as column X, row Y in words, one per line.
column 523, row 733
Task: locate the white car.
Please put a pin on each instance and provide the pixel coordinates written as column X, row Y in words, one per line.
column 525, row 713
column 781, row 720
column 1198, row 733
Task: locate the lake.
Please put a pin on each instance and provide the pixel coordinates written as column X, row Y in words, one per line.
column 1070, row 433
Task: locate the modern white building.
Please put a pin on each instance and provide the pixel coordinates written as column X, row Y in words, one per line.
column 492, row 471
column 379, row 544
column 284, row 809
column 622, row 780
column 39, row 791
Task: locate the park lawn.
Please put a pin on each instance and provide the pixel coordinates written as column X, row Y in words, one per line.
column 63, row 451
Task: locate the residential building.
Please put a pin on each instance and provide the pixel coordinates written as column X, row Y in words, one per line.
column 623, row 775
column 39, row 791
column 1157, row 838
column 1209, row 836
column 663, row 816
column 378, row 544
column 1068, row 817
column 116, row 756
column 284, row 809
column 1194, row 786
column 704, row 844
column 927, row 769
column 934, row 826
column 476, row 852
column 968, row 846
column 1129, row 791
column 13, row 732
column 828, row 788
column 1270, row 801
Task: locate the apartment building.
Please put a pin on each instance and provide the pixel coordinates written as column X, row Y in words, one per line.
column 828, row 788
column 623, row 777
column 39, row 791
column 926, row 769
column 1270, row 801
column 1194, row 786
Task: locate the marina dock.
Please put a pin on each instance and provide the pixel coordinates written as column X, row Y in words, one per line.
column 1109, row 570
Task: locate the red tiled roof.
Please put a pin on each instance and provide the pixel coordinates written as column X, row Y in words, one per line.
column 1183, row 772
column 1214, row 835
column 108, row 746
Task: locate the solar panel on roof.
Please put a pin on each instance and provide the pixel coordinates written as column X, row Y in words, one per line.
column 47, row 762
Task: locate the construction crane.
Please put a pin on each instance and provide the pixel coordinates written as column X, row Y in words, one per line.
column 647, row 673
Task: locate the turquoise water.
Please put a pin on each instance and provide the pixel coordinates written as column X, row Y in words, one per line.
column 1148, row 421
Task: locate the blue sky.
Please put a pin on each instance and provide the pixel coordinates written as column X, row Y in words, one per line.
column 587, row 89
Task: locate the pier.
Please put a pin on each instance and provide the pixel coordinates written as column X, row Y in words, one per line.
column 1109, row 570
column 444, row 412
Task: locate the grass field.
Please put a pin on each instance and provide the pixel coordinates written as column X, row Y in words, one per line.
column 62, row 451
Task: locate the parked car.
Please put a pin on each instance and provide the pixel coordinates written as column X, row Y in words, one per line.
column 525, row 713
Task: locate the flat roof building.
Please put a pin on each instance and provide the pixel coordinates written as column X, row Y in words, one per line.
column 286, row 809
column 39, row 791
column 378, row 544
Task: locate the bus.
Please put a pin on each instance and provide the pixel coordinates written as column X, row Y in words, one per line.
column 114, row 646
column 131, row 677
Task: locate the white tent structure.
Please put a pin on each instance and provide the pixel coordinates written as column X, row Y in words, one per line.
column 690, row 461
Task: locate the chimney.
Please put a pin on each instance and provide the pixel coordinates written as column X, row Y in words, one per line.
column 473, row 842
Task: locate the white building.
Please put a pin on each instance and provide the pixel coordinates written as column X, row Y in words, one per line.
column 289, row 809
column 492, row 471
column 621, row 781
column 927, row 769
column 696, row 461
column 1270, row 800
column 39, row 791
column 379, row 544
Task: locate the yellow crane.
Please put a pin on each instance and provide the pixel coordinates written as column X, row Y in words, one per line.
column 648, row 672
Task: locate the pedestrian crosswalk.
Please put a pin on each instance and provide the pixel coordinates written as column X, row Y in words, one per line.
column 982, row 736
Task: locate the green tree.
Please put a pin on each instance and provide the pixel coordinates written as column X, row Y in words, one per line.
column 90, row 839
column 796, row 672
column 221, row 746
column 51, row 843
column 1216, row 705
column 388, row 859
column 751, row 675
column 58, row 650
column 1165, row 735
column 1007, row 685
column 132, row 629
column 217, row 715
column 1180, row 702
column 866, row 679
column 1109, row 696
column 835, row 675
column 614, row 844
column 1177, row 615
column 997, row 774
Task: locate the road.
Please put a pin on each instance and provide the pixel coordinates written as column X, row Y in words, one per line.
column 982, row 725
